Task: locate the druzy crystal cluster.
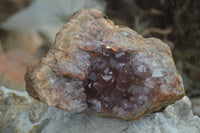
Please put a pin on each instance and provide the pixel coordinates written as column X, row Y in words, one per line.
column 98, row 68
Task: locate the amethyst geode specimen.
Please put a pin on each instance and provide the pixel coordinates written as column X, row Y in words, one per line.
column 98, row 68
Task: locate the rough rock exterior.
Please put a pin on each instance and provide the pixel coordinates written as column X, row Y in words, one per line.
column 20, row 113
column 99, row 68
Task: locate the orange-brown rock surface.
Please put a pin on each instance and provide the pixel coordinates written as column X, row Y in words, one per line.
column 12, row 68
column 98, row 68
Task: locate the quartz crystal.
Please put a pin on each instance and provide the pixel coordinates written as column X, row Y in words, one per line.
column 102, row 69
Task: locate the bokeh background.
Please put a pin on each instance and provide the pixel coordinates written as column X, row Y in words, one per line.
column 28, row 29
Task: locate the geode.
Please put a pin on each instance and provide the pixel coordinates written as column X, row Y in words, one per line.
column 102, row 69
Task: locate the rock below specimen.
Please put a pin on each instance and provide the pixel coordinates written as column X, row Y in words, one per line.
column 19, row 113
column 98, row 68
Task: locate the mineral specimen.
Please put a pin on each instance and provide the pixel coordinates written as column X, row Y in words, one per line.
column 98, row 68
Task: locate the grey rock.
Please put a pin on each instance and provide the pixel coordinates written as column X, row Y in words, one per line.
column 20, row 113
column 48, row 16
column 196, row 105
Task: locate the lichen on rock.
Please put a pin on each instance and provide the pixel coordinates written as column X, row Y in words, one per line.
column 98, row 68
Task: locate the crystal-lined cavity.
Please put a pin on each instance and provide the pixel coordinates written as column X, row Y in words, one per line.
column 98, row 68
